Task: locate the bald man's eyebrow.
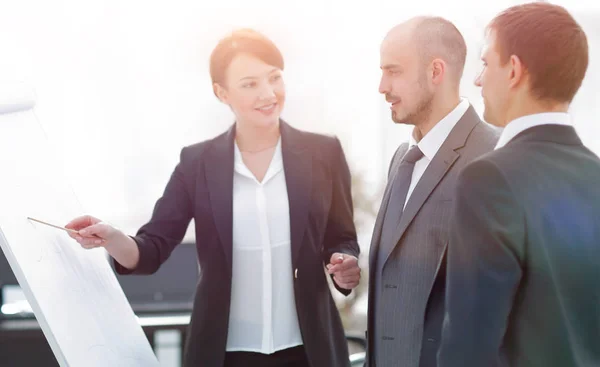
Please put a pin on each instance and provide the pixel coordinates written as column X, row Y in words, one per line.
column 391, row 67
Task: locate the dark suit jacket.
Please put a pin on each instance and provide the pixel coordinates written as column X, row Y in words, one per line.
column 321, row 220
column 524, row 258
column 413, row 276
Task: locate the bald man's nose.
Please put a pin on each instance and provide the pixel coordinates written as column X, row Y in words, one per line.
column 383, row 86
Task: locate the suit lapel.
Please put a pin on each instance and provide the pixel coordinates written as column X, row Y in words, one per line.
column 219, row 179
column 297, row 165
column 375, row 238
column 433, row 175
column 437, row 169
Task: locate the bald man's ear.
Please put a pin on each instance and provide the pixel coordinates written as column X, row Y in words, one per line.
column 438, row 71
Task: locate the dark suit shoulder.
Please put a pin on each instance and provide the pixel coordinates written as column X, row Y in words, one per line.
column 494, row 170
column 317, row 139
column 197, row 148
column 480, row 141
column 323, row 146
column 193, row 152
column 483, row 170
column 483, row 137
column 507, row 161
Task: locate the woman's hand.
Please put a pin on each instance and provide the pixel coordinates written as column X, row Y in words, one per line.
column 91, row 231
column 345, row 270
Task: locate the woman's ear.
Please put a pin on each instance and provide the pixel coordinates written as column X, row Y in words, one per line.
column 220, row 92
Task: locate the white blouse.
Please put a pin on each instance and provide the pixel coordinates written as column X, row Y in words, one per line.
column 263, row 314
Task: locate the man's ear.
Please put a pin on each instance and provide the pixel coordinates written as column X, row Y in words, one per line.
column 517, row 71
column 438, row 71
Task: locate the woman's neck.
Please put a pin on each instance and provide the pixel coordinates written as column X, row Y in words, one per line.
column 252, row 139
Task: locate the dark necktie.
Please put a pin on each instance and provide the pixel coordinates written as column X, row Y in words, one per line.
column 400, row 185
column 400, row 182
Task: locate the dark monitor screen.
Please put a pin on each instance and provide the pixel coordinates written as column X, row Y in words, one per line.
column 6, row 274
column 7, row 277
column 170, row 289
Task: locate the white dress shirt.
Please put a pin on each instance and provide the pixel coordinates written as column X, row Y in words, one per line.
column 518, row 125
column 432, row 141
column 262, row 314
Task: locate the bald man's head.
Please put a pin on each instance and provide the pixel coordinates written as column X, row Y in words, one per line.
column 437, row 38
column 422, row 62
column 432, row 38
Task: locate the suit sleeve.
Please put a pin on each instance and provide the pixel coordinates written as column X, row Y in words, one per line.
column 483, row 268
column 165, row 230
column 340, row 234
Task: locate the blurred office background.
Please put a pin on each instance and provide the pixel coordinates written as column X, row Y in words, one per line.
column 122, row 85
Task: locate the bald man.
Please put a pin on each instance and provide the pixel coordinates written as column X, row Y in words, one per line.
column 422, row 62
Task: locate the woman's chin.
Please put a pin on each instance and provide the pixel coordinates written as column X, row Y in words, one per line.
column 265, row 122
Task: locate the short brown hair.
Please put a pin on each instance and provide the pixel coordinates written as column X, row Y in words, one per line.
column 551, row 45
column 246, row 41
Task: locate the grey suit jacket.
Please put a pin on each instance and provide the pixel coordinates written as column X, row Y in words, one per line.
column 413, row 276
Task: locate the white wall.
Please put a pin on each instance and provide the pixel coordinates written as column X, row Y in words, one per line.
column 123, row 85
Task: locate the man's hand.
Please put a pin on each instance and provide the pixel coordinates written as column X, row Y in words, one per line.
column 345, row 270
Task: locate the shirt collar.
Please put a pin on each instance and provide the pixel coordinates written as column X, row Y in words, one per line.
column 518, row 125
column 433, row 140
column 274, row 167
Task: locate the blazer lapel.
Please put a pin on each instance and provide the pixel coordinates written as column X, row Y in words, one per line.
column 219, row 179
column 437, row 169
column 297, row 165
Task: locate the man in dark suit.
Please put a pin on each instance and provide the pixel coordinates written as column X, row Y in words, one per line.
column 524, row 257
column 422, row 62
